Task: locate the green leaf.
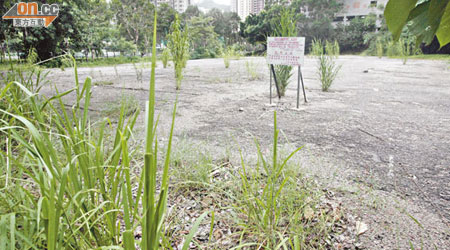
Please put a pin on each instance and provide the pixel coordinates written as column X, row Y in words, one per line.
column 435, row 12
column 397, row 13
column 193, row 231
column 443, row 32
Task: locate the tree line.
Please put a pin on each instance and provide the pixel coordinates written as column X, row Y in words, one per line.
column 125, row 26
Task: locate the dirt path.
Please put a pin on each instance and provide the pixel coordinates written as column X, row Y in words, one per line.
column 379, row 140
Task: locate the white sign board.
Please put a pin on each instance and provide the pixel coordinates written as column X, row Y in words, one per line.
column 286, row 50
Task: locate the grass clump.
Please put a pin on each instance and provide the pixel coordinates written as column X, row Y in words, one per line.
column 72, row 191
column 165, row 57
column 279, row 205
column 252, row 70
column 332, row 48
column 327, row 71
column 230, row 54
column 326, row 67
column 316, row 47
column 128, row 104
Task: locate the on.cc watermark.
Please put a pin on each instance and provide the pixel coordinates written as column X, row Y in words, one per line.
column 29, row 14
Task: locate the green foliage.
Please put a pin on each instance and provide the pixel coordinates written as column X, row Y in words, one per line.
column 229, row 54
column 49, row 42
column 427, row 18
column 165, row 57
column 179, row 48
column 134, row 19
column 226, row 58
column 277, row 207
column 317, row 47
column 204, row 40
column 352, row 37
column 252, row 70
column 226, row 25
column 327, row 70
column 332, row 48
column 380, row 48
column 166, row 16
column 73, row 187
column 318, row 23
column 404, row 49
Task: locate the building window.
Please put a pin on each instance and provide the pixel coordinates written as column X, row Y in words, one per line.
column 373, row 4
column 338, row 19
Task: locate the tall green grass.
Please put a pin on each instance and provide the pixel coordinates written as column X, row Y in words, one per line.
column 262, row 206
column 327, row 69
column 73, row 186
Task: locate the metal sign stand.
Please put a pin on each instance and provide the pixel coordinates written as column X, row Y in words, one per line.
column 300, row 80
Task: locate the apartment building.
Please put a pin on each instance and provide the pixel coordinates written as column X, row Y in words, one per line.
column 178, row 5
column 360, row 8
column 350, row 10
column 246, row 7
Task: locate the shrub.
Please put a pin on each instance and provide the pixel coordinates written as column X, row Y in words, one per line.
column 328, row 71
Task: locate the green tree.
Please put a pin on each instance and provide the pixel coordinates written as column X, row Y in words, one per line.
column 226, row 25
column 352, row 37
column 135, row 19
column 318, row 22
column 204, row 41
column 51, row 41
column 165, row 17
column 231, row 30
column 95, row 21
column 191, row 11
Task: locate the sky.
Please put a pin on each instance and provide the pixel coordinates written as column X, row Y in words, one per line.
column 225, row 2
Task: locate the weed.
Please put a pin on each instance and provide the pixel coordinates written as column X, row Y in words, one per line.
column 128, row 104
column 317, row 47
column 252, row 72
column 77, row 193
column 165, row 57
column 179, row 48
column 332, row 48
column 278, row 203
column 403, row 49
column 380, row 47
column 139, row 72
column 327, row 71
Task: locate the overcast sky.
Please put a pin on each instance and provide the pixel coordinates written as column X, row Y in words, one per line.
column 225, row 2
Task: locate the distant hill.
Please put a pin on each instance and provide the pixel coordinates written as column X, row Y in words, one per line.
column 210, row 4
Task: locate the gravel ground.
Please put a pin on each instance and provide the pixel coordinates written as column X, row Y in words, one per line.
column 379, row 140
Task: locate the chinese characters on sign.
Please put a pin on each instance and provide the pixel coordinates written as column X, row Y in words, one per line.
column 285, row 50
column 29, row 22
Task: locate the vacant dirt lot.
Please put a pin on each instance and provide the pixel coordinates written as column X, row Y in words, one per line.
column 379, row 141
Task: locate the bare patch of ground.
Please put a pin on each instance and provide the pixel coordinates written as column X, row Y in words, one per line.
column 378, row 142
